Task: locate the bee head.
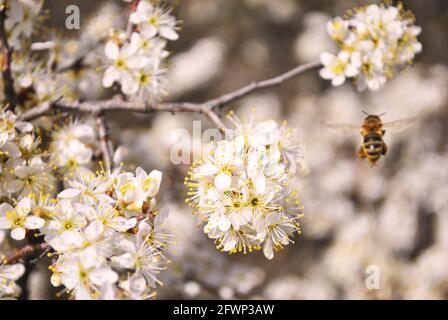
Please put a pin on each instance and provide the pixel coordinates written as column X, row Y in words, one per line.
column 372, row 121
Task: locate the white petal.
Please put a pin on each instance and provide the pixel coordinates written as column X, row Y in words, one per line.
column 207, row 169
column 11, row 150
column 14, row 185
column 224, row 223
column 12, row 272
column 168, row 33
column 18, row 233
column 338, row 80
column 140, row 173
column 260, row 184
column 70, row 276
column 94, row 230
column 122, row 224
column 136, row 17
column 124, row 261
column 24, row 205
column 129, row 84
column 69, row 193
column 268, row 250
column 66, row 241
column 344, row 56
column 21, row 171
column 5, row 223
column 326, row 74
column 110, row 76
column 5, row 207
column 103, row 276
column 230, row 242
column 111, row 49
column 33, row 222
column 137, row 62
column 223, row 181
column 351, row 71
column 148, row 31
column 125, row 244
column 156, row 178
column 161, row 217
column 327, row 58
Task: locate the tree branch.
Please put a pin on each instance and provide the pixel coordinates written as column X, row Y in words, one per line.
column 6, row 51
column 228, row 98
column 105, row 143
column 207, row 108
column 118, row 104
column 25, row 251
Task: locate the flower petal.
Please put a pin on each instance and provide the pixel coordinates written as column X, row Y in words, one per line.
column 223, row 181
column 69, row 193
column 18, row 233
column 5, row 223
column 33, row 222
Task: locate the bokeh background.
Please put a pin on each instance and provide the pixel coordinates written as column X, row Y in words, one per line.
column 393, row 216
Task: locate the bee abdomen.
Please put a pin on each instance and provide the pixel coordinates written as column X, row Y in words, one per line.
column 373, row 146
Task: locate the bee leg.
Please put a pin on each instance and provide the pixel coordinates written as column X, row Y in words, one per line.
column 384, row 149
column 362, row 153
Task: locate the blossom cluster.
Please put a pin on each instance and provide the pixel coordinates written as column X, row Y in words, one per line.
column 136, row 56
column 21, row 18
column 73, row 146
column 105, row 232
column 33, row 77
column 108, row 236
column 240, row 187
column 9, row 274
column 23, row 169
column 375, row 42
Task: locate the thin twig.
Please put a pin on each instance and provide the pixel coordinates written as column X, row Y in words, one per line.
column 6, row 52
column 25, row 251
column 43, row 253
column 228, row 98
column 105, row 143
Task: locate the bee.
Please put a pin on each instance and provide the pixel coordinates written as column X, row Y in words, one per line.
column 372, row 131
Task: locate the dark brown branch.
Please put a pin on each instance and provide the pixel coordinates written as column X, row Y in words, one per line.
column 25, row 251
column 6, row 56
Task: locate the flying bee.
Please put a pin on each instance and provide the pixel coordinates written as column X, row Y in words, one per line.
column 372, row 131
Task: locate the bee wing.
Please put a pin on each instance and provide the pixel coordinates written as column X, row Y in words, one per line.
column 401, row 124
column 343, row 128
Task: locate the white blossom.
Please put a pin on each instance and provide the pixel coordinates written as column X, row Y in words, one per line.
column 375, row 42
column 18, row 219
column 240, row 190
column 154, row 21
column 9, row 274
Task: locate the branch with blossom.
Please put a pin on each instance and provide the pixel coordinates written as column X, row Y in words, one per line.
column 207, row 108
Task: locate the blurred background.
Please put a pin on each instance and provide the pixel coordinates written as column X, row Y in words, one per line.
column 393, row 216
